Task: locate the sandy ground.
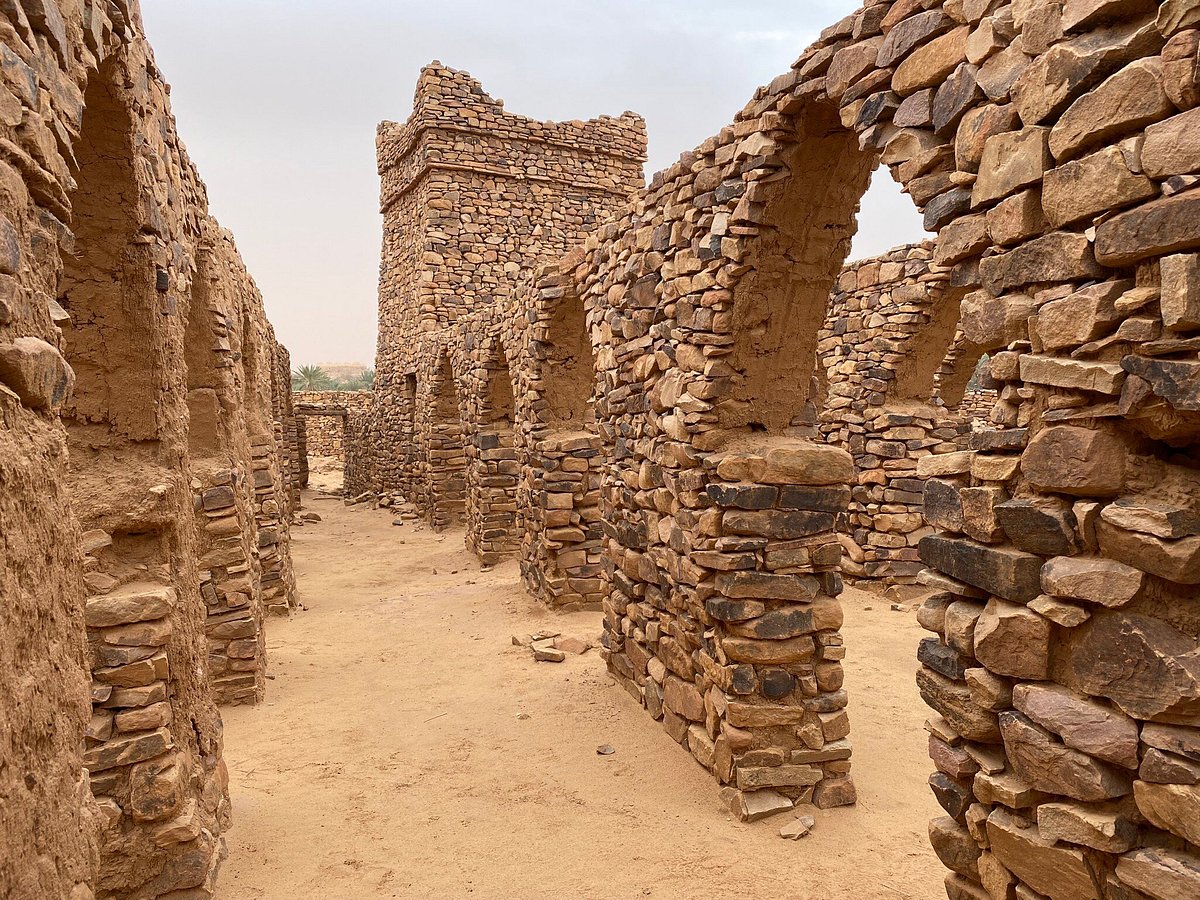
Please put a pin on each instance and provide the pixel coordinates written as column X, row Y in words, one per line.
column 407, row 749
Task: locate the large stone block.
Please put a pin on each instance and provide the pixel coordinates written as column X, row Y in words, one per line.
column 1094, row 579
column 1079, row 461
column 1125, row 102
column 1081, row 723
column 1013, row 640
column 1160, row 227
column 1057, row 257
column 36, row 372
column 1002, row 571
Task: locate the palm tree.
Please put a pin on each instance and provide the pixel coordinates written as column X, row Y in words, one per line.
column 362, row 382
column 311, row 378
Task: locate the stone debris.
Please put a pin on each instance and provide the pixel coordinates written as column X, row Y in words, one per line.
column 797, row 829
column 550, row 646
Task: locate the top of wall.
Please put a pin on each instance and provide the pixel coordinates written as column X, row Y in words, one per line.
column 472, row 131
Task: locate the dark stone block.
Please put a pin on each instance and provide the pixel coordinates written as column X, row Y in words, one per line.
column 817, row 499
column 777, row 683
column 953, row 797
column 754, row 496
column 1048, row 529
column 942, row 659
column 1003, row 571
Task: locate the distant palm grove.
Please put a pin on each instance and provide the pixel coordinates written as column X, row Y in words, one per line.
column 314, row 378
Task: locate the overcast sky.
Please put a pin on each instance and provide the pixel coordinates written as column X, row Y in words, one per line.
column 277, row 102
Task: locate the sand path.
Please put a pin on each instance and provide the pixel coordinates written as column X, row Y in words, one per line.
column 407, row 749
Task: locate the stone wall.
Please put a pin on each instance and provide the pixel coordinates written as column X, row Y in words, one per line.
column 138, row 410
column 1051, row 147
column 882, row 349
column 472, row 197
column 322, row 416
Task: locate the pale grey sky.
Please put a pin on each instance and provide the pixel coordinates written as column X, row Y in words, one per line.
column 277, row 101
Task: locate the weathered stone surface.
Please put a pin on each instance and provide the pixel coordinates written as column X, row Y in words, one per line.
column 1013, row 640
column 130, row 604
column 814, row 464
column 1004, row 571
column 1145, row 666
column 1084, row 375
column 753, row 778
column 1082, row 462
column 1043, row 527
column 127, row 749
column 1177, row 560
column 771, row 652
column 1175, row 380
column 1175, row 15
column 1180, row 294
column 1125, row 102
column 1102, row 827
column 931, row 63
column 1081, row 723
column 1164, row 226
column 751, row 806
column 953, row 701
column 954, row 846
column 1161, row 873
column 1080, row 317
column 36, row 372
column 1172, row 147
column 1094, row 579
column 943, row 506
column 1172, row 807
column 789, row 622
column 1095, row 184
column 1011, row 161
column 1173, row 738
column 1057, row 257
column 1057, row 77
column 1053, row 870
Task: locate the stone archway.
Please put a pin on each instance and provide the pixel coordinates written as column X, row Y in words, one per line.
column 492, row 530
column 446, row 451
column 154, row 743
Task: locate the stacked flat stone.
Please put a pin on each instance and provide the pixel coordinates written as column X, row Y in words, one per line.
column 135, row 377
column 879, row 340
column 321, row 417
column 473, row 198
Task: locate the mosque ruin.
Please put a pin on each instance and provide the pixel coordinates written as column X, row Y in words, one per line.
column 673, row 402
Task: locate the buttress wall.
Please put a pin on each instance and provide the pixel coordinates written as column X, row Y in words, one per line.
column 134, row 399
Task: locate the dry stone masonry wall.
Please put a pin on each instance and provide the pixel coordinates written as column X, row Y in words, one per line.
column 322, row 417
column 138, row 414
column 1051, row 145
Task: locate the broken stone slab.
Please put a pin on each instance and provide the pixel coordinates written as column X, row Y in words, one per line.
column 753, row 778
column 1159, row 519
column 1161, row 873
column 1081, row 316
column 126, row 750
column 1068, row 615
column 1103, row 827
column 1081, row 723
column 751, row 806
column 1171, row 807
column 797, row 829
column 545, row 651
column 954, row 846
column 1098, row 183
column 1093, row 579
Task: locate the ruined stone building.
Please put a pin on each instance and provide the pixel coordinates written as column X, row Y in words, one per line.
column 146, row 478
column 657, row 415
